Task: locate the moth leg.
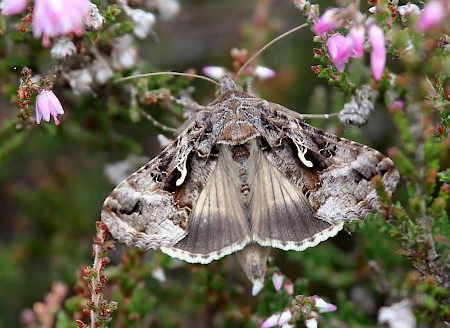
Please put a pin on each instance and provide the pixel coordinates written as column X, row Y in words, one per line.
column 300, row 116
column 152, row 120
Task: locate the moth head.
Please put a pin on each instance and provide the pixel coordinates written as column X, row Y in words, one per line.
column 227, row 84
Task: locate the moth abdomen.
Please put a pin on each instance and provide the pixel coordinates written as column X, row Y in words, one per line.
column 240, row 154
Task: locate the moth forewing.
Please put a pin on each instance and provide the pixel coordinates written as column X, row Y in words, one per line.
column 142, row 210
column 243, row 176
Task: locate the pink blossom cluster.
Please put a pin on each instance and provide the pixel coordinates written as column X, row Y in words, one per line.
column 51, row 18
column 278, row 279
column 282, row 319
column 342, row 48
column 433, row 15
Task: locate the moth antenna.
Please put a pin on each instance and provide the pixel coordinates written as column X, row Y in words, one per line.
column 165, row 73
column 156, row 123
column 268, row 45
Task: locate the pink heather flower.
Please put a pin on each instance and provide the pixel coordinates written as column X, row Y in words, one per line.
column 311, row 323
column 271, row 321
column 323, row 306
column 143, row 22
column 13, row 7
column 277, row 280
column 408, row 11
column 284, row 318
column 432, row 15
column 340, row 50
column 263, row 72
column 215, row 72
column 47, row 104
column 397, row 315
column 159, row 274
column 55, row 17
column 258, row 285
column 168, row 9
column 289, row 287
column 357, row 35
column 329, row 21
column 400, row 104
column 378, row 51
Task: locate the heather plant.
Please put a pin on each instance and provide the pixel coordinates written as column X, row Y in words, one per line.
column 72, row 126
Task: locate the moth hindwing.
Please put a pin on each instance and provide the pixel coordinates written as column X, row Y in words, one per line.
column 243, row 176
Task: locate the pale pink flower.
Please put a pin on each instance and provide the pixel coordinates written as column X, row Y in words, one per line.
column 284, row 318
column 289, row 287
column 258, row 285
column 378, row 51
column 340, row 50
column 277, row 280
column 167, row 9
column 287, row 325
column 48, row 104
column 311, row 323
column 101, row 71
column 124, row 53
column 215, row 72
column 323, row 306
column 408, row 11
column 398, row 315
column 55, row 17
column 143, row 22
column 357, row 35
column 163, row 141
column 13, row 7
column 399, row 104
column 262, row 72
column 81, row 81
column 159, row 274
column 432, row 15
column 271, row 321
column 329, row 21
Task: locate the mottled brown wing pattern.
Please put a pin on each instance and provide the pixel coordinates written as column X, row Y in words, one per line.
column 339, row 185
column 146, row 210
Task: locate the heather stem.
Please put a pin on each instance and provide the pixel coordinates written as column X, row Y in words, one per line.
column 95, row 294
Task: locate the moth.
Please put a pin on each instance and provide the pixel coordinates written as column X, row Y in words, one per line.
column 244, row 176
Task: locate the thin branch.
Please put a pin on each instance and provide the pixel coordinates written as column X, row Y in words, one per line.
column 190, row 105
column 95, row 294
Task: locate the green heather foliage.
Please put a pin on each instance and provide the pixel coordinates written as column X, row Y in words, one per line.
column 53, row 182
